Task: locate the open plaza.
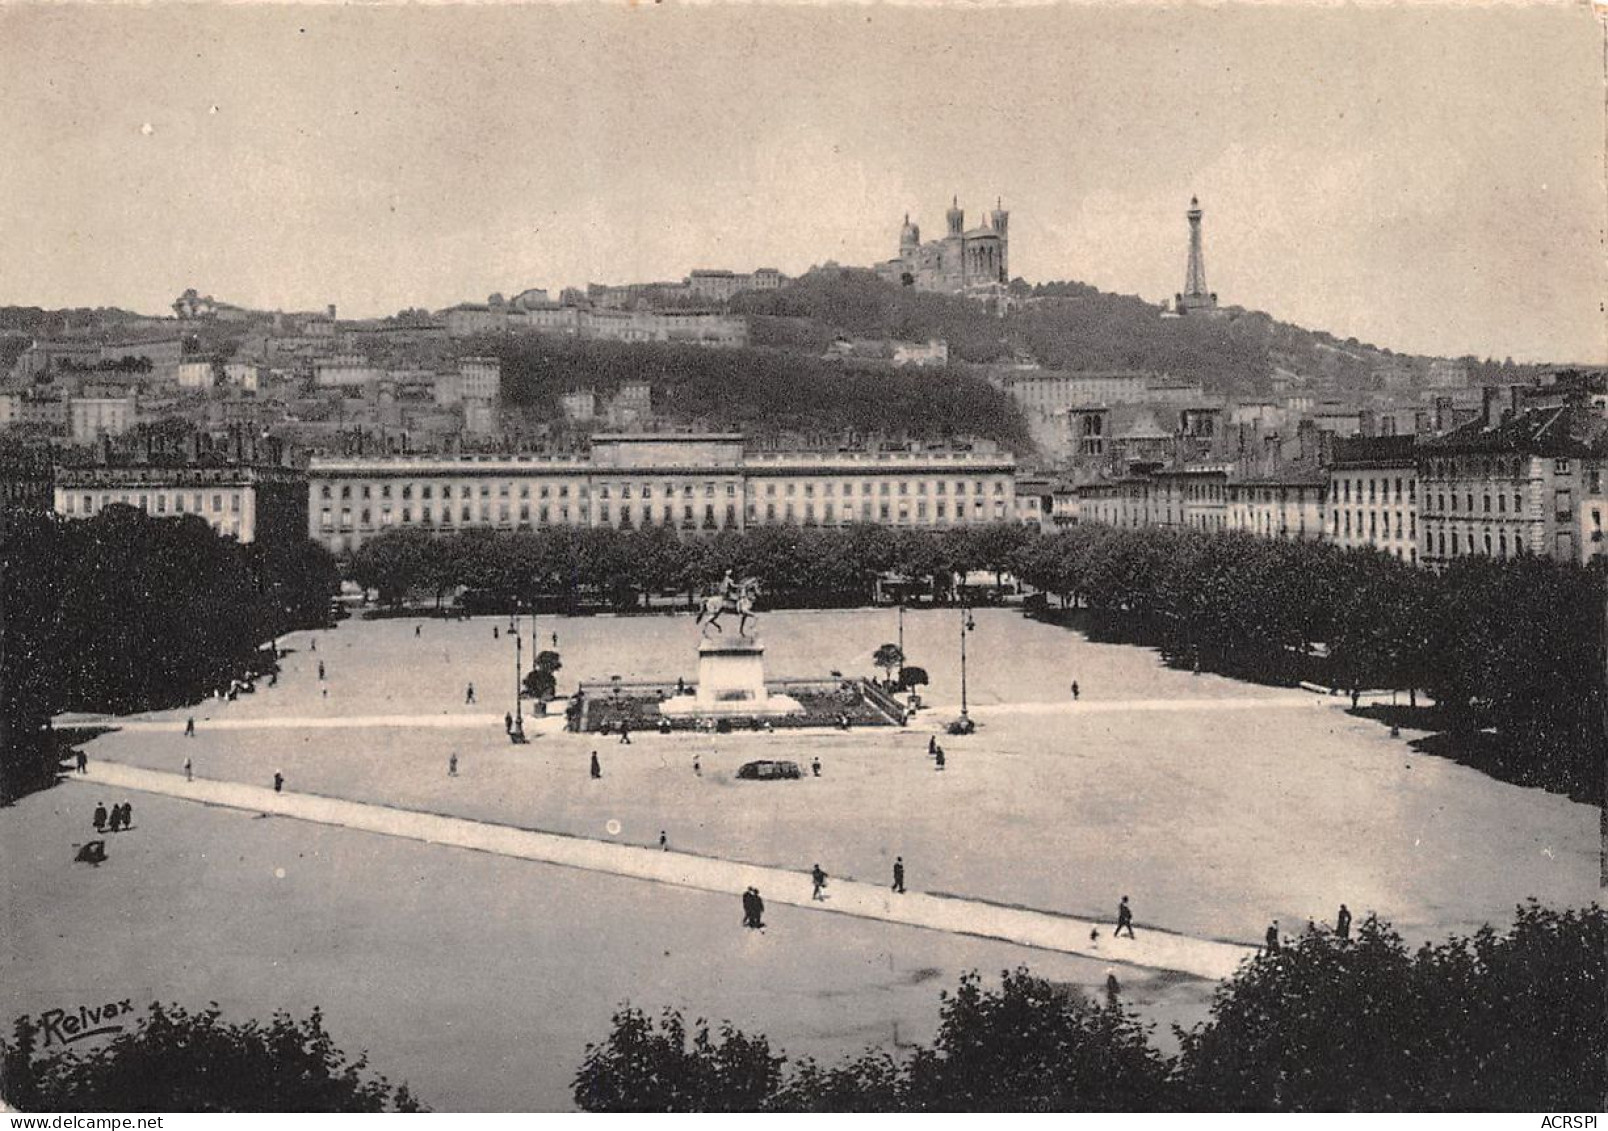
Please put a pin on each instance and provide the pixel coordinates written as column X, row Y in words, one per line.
column 514, row 904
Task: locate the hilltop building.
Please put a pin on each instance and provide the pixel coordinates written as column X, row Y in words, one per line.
column 974, row 263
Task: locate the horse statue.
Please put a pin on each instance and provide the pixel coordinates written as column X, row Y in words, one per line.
column 732, row 597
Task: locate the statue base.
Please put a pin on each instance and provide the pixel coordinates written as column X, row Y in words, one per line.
column 731, row 683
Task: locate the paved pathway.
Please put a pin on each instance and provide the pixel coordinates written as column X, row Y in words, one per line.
column 1160, row 950
column 936, row 715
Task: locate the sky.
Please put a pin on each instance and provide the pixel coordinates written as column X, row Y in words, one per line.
column 1427, row 178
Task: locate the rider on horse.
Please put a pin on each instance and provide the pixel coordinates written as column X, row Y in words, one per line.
column 730, row 596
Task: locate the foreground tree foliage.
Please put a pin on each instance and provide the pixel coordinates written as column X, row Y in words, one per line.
column 1510, row 1022
column 126, row 612
column 179, row 1061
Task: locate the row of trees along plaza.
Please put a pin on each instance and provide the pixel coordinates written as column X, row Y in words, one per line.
column 125, row 612
column 1510, row 652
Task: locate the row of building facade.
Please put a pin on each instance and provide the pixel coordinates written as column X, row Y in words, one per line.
column 1526, row 481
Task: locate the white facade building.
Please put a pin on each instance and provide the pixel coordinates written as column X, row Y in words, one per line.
column 687, row 483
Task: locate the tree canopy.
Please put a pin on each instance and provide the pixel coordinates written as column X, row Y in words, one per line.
column 1499, row 1022
column 174, row 1060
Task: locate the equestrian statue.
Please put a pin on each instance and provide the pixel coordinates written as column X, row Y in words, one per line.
column 731, row 596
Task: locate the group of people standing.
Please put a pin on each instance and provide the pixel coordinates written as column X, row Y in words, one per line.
column 118, row 818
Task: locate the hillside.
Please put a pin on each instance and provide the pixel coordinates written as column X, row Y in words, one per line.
column 766, row 393
column 1077, row 327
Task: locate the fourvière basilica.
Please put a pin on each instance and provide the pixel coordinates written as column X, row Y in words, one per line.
column 974, row 263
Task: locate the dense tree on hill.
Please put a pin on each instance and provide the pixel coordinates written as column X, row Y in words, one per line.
column 764, row 393
column 1499, row 1022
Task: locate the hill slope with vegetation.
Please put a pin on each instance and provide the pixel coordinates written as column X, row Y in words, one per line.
column 766, row 393
column 1068, row 325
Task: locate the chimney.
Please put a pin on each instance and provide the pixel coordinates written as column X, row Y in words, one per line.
column 1488, row 399
column 1443, row 414
column 332, row 312
column 1326, row 449
column 1518, row 396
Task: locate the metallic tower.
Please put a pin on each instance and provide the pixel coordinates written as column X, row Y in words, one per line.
column 1195, row 295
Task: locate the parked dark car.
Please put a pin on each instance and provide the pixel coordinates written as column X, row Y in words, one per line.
column 768, row 771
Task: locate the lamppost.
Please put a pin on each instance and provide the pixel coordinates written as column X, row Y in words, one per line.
column 518, row 733
column 966, row 625
column 901, row 639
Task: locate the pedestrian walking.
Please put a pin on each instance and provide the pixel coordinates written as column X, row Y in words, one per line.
column 625, row 735
column 1342, row 923
column 597, row 767
column 748, row 907
column 326, row 692
column 508, row 723
column 1075, row 691
column 115, row 823
column 664, row 842
column 939, row 757
column 1113, row 987
column 321, row 671
column 83, row 761
column 469, row 694
column 189, row 727
column 494, row 632
column 273, row 678
column 818, row 882
column 189, row 769
column 416, row 630
column 452, row 765
column 312, row 643
column 815, row 767
column 932, row 745
column 128, row 815
column 1273, row 938
column 898, row 874
column 697, row 766
column 279, row 782
column 99, row 818
column 555, row 640
column 1124, row 918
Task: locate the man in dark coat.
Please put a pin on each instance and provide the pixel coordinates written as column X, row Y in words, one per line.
column 100, row 817
column 1124, row 918
column 898, row 874
column 597, row 767
column 1342, row 923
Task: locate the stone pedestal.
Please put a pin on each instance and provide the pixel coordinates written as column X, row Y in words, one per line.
column 731, row 674
column 731, row 683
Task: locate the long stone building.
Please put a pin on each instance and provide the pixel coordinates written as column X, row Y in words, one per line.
column 687, row 483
